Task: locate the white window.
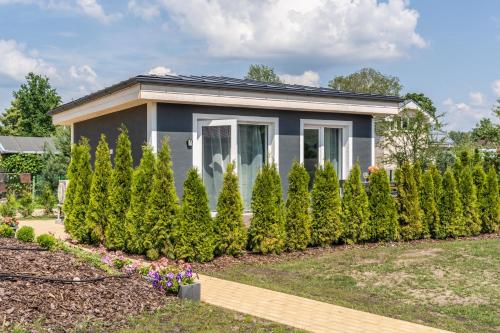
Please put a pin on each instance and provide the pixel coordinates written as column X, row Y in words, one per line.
column 249, row 142
column 326, row 140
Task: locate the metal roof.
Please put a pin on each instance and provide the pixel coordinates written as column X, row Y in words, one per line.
column 25, row 145
column 223, row 82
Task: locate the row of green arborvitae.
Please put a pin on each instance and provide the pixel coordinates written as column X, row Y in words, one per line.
column 137, row 210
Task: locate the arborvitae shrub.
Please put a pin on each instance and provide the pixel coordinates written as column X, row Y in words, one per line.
column 468, row 196
column 490, row 203
column 81, row 199
column 162, row 206
column 230, row 232
column 326, row 225
column 408, row 204
column 119, row 193
column 297, row 216
column 72, row 174
column 48, row 199
column 450, row 209
column 479, row 177
column 97, row 211
column 26, row 234
column 383, row 213
column 142, row 180
column 195, row 237
column 431, row 222
column 355, row 208
column 267, row 227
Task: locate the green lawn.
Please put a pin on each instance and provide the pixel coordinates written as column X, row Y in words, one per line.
column 452, row 285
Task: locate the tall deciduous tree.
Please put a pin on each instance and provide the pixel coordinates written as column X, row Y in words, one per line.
column 230, row 232
column 408, row 203
column 163, row 205
column 367, row 80
column 326, row 227
column 486, row 133
column 142, row 180
column 97, row 211
column 298, row 218
column 27, row 115
column 262, row 73
column 490, row 203
column 355, row 208
column 450, row 209
column 119, row 192
column 383, row 213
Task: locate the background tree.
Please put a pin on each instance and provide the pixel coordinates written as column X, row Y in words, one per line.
column 408, row 203
column 267, row 227
column 431, row 222
column 486, row 134
column 195, row 238
column 96, row 218
column 27, row 115
column 383, row 213
column 71, row 189
column 355, row 208
column 450, row 209
column 367, row 80
column 163, row 205
column 230, row 232
column 262, row 73
column 490, row 203
column 119, row 192
column 326, row 226
column 142, row 180
column 55, row 162
column 297, row 216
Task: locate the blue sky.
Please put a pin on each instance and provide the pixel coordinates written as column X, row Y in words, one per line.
column 449, row 50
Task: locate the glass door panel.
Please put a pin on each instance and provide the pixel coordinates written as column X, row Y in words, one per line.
column 311, row 151
column 332, row 148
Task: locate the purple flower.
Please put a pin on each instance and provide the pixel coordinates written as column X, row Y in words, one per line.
column 170, row 276
column 189, row 273
column 107, row 260
column 179, row 277
column 169, row 284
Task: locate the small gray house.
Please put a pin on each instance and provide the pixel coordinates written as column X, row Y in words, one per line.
column 213, row 120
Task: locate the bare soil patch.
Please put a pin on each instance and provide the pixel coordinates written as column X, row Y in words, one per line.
column 60, row 307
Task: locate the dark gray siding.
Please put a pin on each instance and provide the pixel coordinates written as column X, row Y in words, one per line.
column 176, row 121
column 135, row 119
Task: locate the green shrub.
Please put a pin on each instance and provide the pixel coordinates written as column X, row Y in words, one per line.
column 468, row 196
column 119, row 193
column 297, row 215
column 195, row 231
column 490, row 203
column 355, row 208
column 19, row 163
column 450, row 208
column 326, row 224
column 97, row 211
column 26, row 205
column 48, row 200
column 6, row 231
column 71, row 189
column 162, row 206
column 408, row 204
column 230, row 233
column 47, row 241
column 267, row 227
column 26, row 234
column 431, row 222
column 9, row 208
column 383, row 213
column 479, row 177
column 152, row 254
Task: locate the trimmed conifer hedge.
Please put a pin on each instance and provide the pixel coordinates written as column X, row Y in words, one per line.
column 383, row 214
column 355, row 208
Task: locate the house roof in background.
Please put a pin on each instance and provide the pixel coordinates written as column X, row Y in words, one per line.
column 25, row 144
column 223, row 82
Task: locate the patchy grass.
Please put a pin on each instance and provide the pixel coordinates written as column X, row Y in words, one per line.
column 452, row 285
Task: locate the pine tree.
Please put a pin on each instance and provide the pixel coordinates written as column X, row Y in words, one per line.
column 490, row 203
column 383, row 213
column 162, row 206
column 230, row 232
column 468, row 196
column 355, row 208
column 450, row 209
column 142, row 180
column 267, row 227
column 408, row 203
column 73, row 178
column 326, row 227
column 297, row 215
column 96, row 217
column 431, row 222
column 195, row 237
column 81, row 198
column 119, row 192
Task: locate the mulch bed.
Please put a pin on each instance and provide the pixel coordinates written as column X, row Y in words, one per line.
column 62, row 306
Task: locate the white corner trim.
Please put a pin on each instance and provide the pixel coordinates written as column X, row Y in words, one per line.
column 347, row 140
column 152, row 130
column 72, row 131
column 373, row 141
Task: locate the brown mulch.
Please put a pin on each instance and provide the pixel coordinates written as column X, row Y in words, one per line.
column 220, row 263
column 61, row 307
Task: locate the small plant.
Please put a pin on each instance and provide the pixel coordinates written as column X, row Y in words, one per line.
column 6, row 231
column 8, row 209
column 152, row 254
column 47, row 241
column 26, row 234
column 120, row 261
column 169, row 279
column 26, row 205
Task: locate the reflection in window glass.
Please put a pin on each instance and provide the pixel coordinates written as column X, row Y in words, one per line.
column 311, row 152
column 332, row 148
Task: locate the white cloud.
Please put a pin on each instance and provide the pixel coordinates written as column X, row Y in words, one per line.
column 161, row 70
column 462, row 115
column 476, row 98
column 93, row 9
column 342, row 30
column 145, row 10
column 308, row 78
column 83, row 73
column 16, row 61
column 496, row 87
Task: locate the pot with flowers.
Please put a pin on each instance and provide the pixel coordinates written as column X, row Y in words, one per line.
column 178, row 280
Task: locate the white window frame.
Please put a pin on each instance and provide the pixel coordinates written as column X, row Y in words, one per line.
column 202, row 119
column 346, row 143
